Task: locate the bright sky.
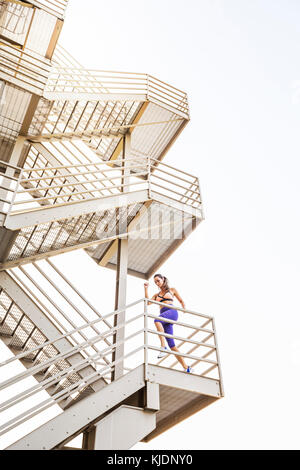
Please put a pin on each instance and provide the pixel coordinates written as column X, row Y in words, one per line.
column 238, row 62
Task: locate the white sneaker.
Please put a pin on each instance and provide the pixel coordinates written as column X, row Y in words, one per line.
column 162, row 354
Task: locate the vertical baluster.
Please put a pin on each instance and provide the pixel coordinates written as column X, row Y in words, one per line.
column 146, row 338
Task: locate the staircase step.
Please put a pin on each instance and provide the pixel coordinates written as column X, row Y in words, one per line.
column 6, row 338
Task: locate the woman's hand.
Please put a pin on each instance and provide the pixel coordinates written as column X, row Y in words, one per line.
column 146, row 285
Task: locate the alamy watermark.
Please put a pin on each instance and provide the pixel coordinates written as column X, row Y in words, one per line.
column 157, row 222
column 154, row 460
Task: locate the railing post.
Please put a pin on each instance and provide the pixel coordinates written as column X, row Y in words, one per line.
column 217, row 357
column 146, row 337
column 15, row 193
column 200, row 197
column 147, row 93
column 122, row 264
column 6, row 188
column 149, row 175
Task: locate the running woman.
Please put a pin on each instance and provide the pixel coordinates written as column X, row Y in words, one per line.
column 166, row 295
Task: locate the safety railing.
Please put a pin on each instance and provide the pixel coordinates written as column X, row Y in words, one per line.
column 8, row 185
column 25, row 69
column 55, row 7
column 197, row 333
column 138, row 344
column 117, row 84
column 67, row 184
column 41, row 187
column 58, row 299
column 14, row 17
column 175, row 184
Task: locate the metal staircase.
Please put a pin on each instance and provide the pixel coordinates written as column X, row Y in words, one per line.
column 77, row 377
column 81, row 168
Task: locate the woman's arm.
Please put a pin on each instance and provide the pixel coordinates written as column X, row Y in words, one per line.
column 146, row 284
column 175, row 292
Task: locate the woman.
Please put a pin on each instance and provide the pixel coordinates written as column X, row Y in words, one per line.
column 166, row 295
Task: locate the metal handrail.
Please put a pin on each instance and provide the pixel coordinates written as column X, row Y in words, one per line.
column 15, row 16
column 77, row 80
column 95, row 375
column 101, row 336
column 66, row 335
column 58, row 397
column 65, row 185
column 55, row 7
column 26, row 68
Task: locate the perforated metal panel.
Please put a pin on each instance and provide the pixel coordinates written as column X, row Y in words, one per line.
column 25, row 336
column 161, row 229
column 152, row 140
column 57, row 235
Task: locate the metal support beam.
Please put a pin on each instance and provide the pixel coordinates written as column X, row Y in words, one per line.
column 88, row 439
column 120, row 301
column 122, row 266
column 33, row 104
column 113, row 431
column 152, row 396
column 54, row 38
column 7, row 239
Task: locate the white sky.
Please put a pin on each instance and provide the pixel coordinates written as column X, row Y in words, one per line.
column 239, row 63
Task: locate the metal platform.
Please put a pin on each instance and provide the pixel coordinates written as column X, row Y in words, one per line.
column 73, row 364
column 54, row 209
column 180, row 396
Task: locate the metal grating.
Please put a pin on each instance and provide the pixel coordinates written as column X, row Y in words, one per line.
column 11, row 320
column 172, row 399
column 159, row 228
column 86, row 116
column 58, row 235
column 153, row 140
column 96, row 252
column 5, row 303
column 36, row 339
column 24, row 333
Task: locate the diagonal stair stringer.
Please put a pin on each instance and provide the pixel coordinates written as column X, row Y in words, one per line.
column 81, row 415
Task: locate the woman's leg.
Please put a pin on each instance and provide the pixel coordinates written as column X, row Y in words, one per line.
column 172, row 314
column 160, row 328
column 179, row 358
